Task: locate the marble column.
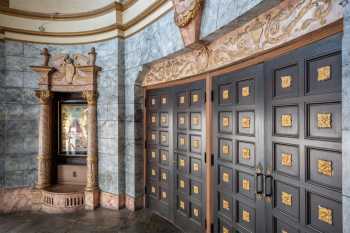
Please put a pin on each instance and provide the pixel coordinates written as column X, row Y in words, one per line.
column 45, row 130
column 91, row 188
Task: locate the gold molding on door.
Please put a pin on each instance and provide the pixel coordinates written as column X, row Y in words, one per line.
column 324, row 73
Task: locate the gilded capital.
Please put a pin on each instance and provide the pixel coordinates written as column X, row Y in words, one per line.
column 90, row 96
column 44, row 96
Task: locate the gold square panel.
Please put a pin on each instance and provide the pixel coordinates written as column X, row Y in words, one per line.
column 225, row 149
column 153, row 172
column 225, row 177
column 286, row 120
column 284, row 231
column 195, row 143
column 246, row 153
column 182, row 120
column 154, row 119
column 164, row 100
column 182, row 99
column 195, row 121
column 182, row 205
column 225, row 122
column 195, row 98
column 196, row 167
column 225, row 94
column 245, row 122
column 324, row 73
column 182, row 184
column 324, row 120
column 245, row 185
column 153, row 101
column 164, row 120
column 164, row 176
column 182, row 163
column 164, row 157
column 245, row 91
column 182, row 141
column 153, row 189
column 324, row 167
column 164, row 138
column 225, row 230
column 245, row 216
column 325, row 215
column 164, row 195
column 195, row 189
column 286, row 199
column 286, row 81
column 286, row 160
column 225, row 205
column 153, row 154
column 195, row 212
column 153, row 137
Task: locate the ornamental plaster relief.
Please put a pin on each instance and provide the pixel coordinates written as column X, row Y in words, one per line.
column 285, row 22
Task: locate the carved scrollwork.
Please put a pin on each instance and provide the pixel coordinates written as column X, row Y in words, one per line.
column 186, row 11
column 44, row 96
column 287, row 21
column 90, row 96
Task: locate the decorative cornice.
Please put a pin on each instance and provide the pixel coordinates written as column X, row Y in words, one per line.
column 62, row 16
column 282, row 24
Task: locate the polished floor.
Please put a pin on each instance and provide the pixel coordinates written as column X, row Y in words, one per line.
column 101, row 220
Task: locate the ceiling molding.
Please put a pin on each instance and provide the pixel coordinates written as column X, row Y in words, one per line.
column 54, row 16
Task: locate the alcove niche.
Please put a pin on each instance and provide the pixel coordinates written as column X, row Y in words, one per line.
column 67, row 152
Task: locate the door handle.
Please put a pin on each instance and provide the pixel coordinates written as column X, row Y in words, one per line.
column 259, row 181
column 268, row 185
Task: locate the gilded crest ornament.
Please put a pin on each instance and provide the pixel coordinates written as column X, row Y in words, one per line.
column 324, row 73
column 245, row 91
column 286, row 160
column 286, row 81
column 325, row 215
column 324, row 167
column 286, row 120
column 286, row 199
column 245, row 216
column 186, row 11
column 324, row 120
column 246, row 185
column 225, row 205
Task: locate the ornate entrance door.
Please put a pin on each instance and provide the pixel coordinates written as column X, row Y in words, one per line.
column 303, row 139
column 238, row 143
column 176, row 154
column 277, row 144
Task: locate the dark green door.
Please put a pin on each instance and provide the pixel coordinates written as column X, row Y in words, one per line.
column 277, row 144
column 239, row 151
column 303, row 142
column 176, row 154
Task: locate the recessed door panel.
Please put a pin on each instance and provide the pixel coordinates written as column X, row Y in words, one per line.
column 238, row 149
column 175, row 154
column 303, row 151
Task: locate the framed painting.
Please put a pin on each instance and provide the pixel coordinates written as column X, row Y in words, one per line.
column 73, row 131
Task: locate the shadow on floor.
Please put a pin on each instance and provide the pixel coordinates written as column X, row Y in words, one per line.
column 101, row 220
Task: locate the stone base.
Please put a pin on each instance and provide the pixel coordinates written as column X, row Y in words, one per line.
column 36, row 199
column 112, row 201
column 62, row 199
column 15, row 200
column 92, row 199
column 132, row 203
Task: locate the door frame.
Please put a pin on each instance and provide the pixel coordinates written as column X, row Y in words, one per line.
column 260, row 57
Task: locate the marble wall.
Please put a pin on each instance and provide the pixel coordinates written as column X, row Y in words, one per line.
column 346, row 118
column 20, row 111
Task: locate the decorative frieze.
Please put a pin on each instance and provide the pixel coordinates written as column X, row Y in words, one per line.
column 287, row 21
